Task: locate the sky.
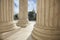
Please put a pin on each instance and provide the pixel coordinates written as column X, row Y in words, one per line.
column 31, row 5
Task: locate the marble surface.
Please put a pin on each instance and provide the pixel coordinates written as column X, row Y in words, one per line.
column 19, row 34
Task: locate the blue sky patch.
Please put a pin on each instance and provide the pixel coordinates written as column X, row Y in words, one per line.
column 31, row 5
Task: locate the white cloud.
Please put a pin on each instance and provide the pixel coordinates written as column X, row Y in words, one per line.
column 31, row 5
column 16, row 6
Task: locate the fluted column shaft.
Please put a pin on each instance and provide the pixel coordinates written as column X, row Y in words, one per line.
column 48, row 20
column 23, row 13
column 6, row 15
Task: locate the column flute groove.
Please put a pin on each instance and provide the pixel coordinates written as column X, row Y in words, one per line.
column 47, row 26
column 23, row 13
column 6, row 16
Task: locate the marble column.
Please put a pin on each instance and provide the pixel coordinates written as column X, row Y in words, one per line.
column 48, row 20
column 23, row 13
column 6, row 16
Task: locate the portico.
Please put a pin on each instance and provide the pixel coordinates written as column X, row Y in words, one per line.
column 47, row 25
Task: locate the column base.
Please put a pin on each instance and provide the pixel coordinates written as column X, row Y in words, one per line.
column 7, row 26
column 39, row 33
column 7, row 35
column 22, row 23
